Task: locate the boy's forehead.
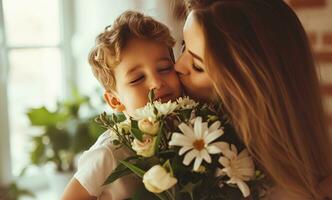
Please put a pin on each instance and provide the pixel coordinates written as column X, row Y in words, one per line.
column 135, row 66
column 137, row 45
column 141, row 53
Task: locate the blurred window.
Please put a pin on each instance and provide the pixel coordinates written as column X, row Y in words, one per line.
column 33, row 57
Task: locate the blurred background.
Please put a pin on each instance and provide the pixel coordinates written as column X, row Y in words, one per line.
column 49, row 97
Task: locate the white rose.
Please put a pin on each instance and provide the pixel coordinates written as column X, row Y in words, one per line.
column 148, row 126
column 146, row 148
column 157, row 179
column 124, row 127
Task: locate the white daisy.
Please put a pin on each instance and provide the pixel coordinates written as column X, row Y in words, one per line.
column 186, row 103
column 146, row 112
column 197, row 139
column 238, row 167
column 165, row 108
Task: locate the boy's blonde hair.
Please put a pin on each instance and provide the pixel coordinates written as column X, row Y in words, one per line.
column 109, row 44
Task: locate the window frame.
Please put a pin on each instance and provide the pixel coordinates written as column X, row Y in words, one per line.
column 5, row 156
column 68, row 69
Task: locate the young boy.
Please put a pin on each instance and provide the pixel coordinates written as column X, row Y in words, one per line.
column 130, row 58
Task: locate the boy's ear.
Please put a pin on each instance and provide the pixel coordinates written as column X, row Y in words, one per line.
column 114, row 102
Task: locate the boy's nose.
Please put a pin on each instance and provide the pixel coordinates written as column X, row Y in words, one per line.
column 156, row 82
column 182, row 65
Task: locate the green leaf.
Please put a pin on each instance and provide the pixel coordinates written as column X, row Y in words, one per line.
column 151, row 96
column 138, row 134
column 95, row 130
column 168, row 167
column 160, row 132
column 118, row 117
column 186, row 113
column 142, row 193
column 114, row 118
column 37, row 155
column 139, row 172
column 43, row 117
column 82, row 138
column 59, row 137
column 120, row 171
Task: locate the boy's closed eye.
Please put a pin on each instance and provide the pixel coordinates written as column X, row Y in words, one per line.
column 162, row 70
column 166, row 69
column 137, row 80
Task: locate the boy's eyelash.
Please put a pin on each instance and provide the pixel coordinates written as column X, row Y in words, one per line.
column 137, row 80
column 169, row 68
column 162, row 70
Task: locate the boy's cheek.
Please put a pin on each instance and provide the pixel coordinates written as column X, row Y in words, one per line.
column 177, row 85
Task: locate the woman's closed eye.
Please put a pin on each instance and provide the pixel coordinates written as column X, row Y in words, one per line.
column 183, row 46
column 197, row 68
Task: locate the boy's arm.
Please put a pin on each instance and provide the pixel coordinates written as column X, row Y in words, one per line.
column 75, row 191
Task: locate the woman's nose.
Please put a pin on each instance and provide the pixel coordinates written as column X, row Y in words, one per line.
column 182, row 65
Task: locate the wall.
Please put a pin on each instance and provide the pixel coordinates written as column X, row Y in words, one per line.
column 316, row 17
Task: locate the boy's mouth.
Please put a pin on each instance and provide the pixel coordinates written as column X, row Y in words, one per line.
column 164, row 97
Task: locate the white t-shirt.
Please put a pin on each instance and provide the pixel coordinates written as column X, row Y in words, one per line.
column 96, row 164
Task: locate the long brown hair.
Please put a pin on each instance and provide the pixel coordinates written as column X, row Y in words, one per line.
column 259, row 59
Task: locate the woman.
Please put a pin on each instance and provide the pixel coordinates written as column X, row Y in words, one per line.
column 254, row 55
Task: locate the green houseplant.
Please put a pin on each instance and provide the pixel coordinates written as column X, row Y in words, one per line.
column 13, row 191
column 64, row 132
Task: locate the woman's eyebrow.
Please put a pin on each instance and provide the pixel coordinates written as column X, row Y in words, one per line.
column 196, row 56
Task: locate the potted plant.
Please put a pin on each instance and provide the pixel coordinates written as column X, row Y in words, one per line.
column 14, row 191
column 64, row 134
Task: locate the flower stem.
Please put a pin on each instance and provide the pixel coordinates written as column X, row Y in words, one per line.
column 170, row 195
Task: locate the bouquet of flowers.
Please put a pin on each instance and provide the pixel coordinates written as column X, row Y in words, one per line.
column 183, row 150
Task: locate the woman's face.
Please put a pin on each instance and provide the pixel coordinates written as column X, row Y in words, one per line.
column 190, row 65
